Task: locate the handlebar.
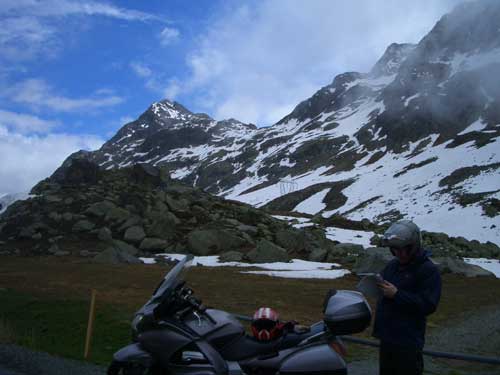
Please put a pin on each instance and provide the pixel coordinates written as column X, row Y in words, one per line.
column 185, row 294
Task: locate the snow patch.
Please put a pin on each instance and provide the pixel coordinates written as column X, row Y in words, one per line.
column 492, row 265
column 317, row 274
column 407, row 101
column 313, row 204
column 476, row 126
column 296, row 268
column 357, row 237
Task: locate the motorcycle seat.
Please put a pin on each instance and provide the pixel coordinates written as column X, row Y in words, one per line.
column 247, row 346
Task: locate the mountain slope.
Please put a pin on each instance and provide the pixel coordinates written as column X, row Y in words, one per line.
column 417, row 137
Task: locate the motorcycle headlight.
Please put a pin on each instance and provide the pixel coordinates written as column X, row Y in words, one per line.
column 136, row 323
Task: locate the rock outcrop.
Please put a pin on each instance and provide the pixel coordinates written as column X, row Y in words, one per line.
column 138, row 211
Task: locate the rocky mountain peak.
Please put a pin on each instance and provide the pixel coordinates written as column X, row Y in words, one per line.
column 392, row 58
column 166, row 109
column 470, row 29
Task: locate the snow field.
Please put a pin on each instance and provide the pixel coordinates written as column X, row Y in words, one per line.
column 296, row 268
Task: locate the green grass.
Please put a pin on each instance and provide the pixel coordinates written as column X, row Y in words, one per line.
column 58, row 326
column 6, row 331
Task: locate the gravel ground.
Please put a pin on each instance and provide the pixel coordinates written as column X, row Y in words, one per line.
column 477, row 334
column 474, row 334
column 5, row 371
column 15, row 360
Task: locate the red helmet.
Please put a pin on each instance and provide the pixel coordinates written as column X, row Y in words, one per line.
column 265, row 324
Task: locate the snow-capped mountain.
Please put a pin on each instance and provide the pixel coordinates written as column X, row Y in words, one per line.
column 417, row 136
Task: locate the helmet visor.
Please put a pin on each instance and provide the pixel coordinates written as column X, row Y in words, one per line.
column 265, row 324
column 394, row 241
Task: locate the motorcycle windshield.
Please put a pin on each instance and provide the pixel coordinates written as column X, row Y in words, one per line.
column 169, row 282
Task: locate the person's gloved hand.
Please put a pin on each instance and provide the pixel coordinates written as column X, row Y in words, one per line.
column 388, row 289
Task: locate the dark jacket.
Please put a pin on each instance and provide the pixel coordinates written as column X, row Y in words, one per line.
column 401, row 321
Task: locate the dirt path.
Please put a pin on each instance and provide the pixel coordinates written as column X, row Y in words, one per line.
column 477, row 333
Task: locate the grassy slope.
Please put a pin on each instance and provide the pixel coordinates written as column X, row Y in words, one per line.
column 44, row 301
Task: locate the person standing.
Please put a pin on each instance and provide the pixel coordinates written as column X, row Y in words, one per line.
column 411, row 289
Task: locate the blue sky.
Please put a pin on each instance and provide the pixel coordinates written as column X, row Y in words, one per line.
column 73, row 72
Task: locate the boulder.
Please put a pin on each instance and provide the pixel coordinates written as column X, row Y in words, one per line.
column 61, row 253
column 134, row 234
column 177, row 205
column 144, row 173
column 115, row 256
column 105, row 234
column 100, row 209
column 345, row 253
column 199, row 212
column 131, row 221
column 291, row 239
column 373, row 262
column 250, row 229
column 87, row 253
column 267, row 252
column 459, row 267
column 117, row 215
column 318, row 255
column 67, row 216
column 76, row 170
column 213, row 241
column 55, row 239
column 27, row 232
column 176, row 188
column 153, row 244
column 163, row 226
column 123, row 246
column 348, row 248
column 231, row 222
column 231, row 256
column 83, row 226
column 54, row 248
column 55, row 216
column 382, row 251
column 52, row 198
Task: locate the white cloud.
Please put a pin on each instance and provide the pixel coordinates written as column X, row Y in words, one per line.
column 38, row 94
column 25, row 123
column 168, row 36
column 258, row 60
column 172, row 90
column 32, row 28
column 25, row 160
column 48, row 8
column 23, row 38
column 140, row 69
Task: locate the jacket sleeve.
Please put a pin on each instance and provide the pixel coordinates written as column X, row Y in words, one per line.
column 426, row 299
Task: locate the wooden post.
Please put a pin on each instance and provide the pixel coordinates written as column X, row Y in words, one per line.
column 90, row 325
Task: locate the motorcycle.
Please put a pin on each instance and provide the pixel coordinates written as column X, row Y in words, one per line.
column 175, row 334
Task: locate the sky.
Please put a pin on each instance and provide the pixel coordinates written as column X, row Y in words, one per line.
column 73, row 72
